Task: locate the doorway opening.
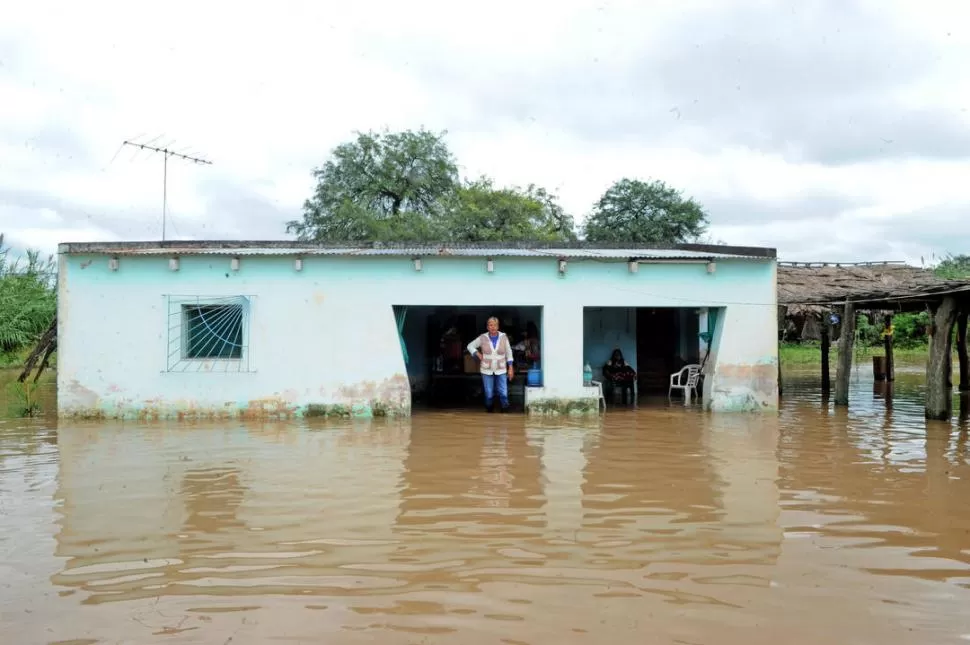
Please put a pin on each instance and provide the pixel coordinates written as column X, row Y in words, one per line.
column 442, row 373
column 654, row 341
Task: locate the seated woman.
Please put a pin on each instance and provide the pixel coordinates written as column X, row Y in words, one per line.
column 618, row 374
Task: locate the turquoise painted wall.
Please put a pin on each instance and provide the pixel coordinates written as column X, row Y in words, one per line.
column 327, row 333
column 532, row 278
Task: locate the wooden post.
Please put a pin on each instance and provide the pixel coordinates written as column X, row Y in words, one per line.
column 939, row 393
column 782, row 319
column 844, row 364
column 888, row 341
column 826, row 348
column 780, row 389
column 962, row 350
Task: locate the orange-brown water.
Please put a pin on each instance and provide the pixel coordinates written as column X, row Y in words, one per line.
column 662, row 525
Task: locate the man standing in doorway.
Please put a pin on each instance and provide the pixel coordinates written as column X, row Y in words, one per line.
column 494, row 353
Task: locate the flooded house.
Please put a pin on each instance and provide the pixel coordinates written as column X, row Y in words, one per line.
column 203, row 329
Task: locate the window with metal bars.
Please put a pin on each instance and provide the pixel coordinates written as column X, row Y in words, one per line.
column 208, row 334
column 213, row 331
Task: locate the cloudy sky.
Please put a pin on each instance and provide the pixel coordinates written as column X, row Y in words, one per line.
column 832, row 130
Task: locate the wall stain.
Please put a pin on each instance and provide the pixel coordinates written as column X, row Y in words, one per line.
column 388, row 398
column 745, row 388
column 564, row 407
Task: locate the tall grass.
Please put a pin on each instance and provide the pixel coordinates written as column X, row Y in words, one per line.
column 810, row 353
column 28, row 299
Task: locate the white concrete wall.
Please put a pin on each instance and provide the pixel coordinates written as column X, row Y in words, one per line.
column 326, row 335
column 743, row 366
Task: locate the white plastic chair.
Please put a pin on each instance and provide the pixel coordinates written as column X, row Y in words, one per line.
column 686, row 381
column 602, row 398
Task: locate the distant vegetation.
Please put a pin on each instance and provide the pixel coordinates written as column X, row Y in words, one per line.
column 810, row 354
column 910, row 340
column 405, row 187
column 27, row 302
column 954, row 267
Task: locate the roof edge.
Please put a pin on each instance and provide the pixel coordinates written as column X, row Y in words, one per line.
column 183, row 246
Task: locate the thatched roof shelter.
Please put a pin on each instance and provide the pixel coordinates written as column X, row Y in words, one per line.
column 805, row 286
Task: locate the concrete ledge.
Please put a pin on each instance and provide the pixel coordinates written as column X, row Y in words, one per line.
column 580, row 401
column 563, row 407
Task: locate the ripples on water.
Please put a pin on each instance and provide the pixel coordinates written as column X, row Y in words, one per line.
column 664, row 525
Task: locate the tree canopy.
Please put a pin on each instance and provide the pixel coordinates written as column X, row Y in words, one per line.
column 381, row 186
column 482, row 213
column 405, row 187
column 645, row 213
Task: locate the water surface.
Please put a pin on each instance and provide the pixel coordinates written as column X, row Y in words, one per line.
column 660, row 525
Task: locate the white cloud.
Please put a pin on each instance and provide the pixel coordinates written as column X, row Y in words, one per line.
column 835, row 130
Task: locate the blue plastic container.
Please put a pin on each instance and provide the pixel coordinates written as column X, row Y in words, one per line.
column 534, row 378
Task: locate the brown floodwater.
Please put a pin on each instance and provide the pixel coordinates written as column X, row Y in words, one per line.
column 660, row 525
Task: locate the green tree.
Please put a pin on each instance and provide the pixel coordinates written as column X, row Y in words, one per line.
column 381, row 186
column 404, row 187
column 954, row 267
column 645, row 213
column 480, row 212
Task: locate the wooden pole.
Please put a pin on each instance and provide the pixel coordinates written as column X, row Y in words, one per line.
column 939, row 393
column 826, row 348
column 780, row 388
column 782, row 319
column 844, row 363
column 888, row 341
column 962, row 350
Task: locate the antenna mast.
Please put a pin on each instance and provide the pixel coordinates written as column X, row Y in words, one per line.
column 166, row 153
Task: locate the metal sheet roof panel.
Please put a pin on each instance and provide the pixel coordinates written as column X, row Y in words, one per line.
column 423, row 250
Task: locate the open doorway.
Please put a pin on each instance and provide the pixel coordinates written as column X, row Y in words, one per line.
column 441, row 371
column 654, row 341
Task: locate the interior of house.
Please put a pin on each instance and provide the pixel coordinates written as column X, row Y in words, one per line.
column 654, row 343
column 442, row 372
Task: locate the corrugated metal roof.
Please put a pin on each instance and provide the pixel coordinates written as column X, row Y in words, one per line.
column 470, row 250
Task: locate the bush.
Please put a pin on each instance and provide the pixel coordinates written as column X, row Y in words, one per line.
column 909, row 330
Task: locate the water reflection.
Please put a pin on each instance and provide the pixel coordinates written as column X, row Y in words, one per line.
column 652, row 525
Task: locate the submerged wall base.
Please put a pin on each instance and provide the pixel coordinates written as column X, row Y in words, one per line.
column 563, row 407
column 540, row 401
column 745, row 388
column 390, row 398
column 266, row 409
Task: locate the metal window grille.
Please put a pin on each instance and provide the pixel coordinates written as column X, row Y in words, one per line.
column 208, row 334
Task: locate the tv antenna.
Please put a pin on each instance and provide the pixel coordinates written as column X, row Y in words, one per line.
column 166, row 153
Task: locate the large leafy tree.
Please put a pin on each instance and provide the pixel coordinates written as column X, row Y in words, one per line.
column 381, row 186
column 645, row 213
column 480, row 212
column 404, row 187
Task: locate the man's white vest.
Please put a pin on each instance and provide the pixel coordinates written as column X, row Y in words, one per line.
column 493, row 359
